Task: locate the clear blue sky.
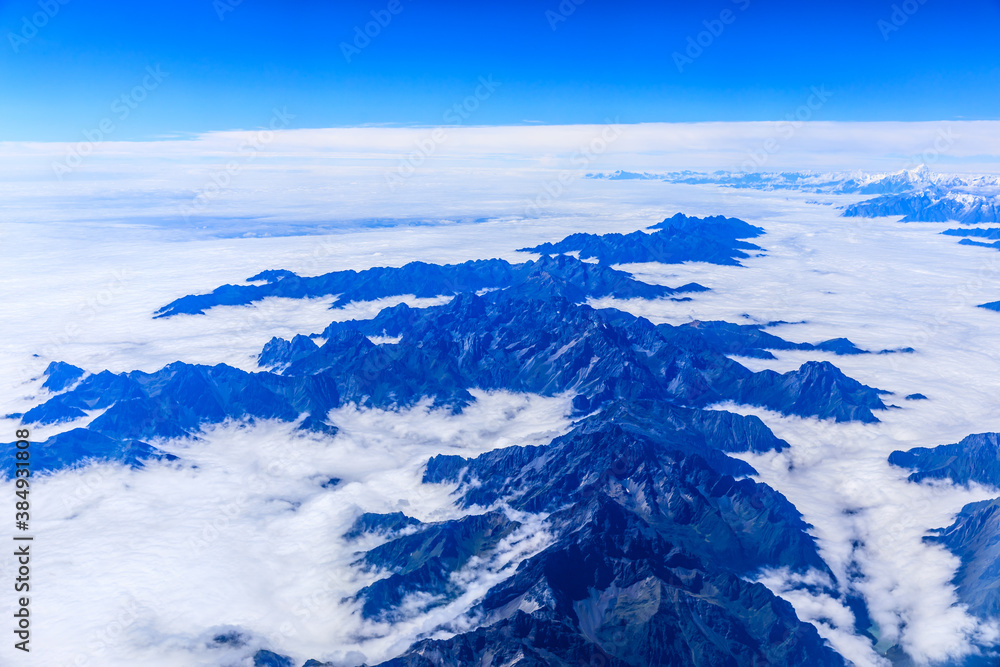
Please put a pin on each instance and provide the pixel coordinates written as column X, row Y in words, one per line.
column 607, row 59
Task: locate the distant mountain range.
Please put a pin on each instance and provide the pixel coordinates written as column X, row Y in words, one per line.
column 930, row 205
column 716, row 240
column 917, row 195
column 912, row 195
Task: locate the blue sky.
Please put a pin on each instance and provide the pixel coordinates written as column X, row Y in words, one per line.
column 229, row 63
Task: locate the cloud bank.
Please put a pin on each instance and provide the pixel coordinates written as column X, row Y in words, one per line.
column 94, row 255
column 244, row 535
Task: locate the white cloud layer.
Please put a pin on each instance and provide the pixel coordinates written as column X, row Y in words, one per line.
column 145, row 566
column 340, row 176
column 89, row 259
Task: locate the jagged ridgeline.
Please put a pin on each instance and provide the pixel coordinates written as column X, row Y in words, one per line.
column 677, row 239
column 975, row 535
column 654, row 532
column 917, row 195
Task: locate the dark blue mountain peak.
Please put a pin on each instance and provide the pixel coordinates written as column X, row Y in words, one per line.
column 975, row 459
column 975, row 535
column 992, row 233
column 271, row 276
column 569, row 276
column 929, row 204
column 664, row 470
column 278, row 353
column 80, row 446
column 265, row 658
column 975, row 538
column 60, row 376
column 615, row 588
column 176, row 401
column 513, row 339
column 231, row 638
column 423, row 561
column 716, row 225
column 716, row 240
column 750, row 340
column 371, row 523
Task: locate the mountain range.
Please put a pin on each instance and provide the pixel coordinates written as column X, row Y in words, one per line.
column 654, row 531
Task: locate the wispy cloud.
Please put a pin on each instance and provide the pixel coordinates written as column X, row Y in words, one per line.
column 319, row 175
column 243, row 534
